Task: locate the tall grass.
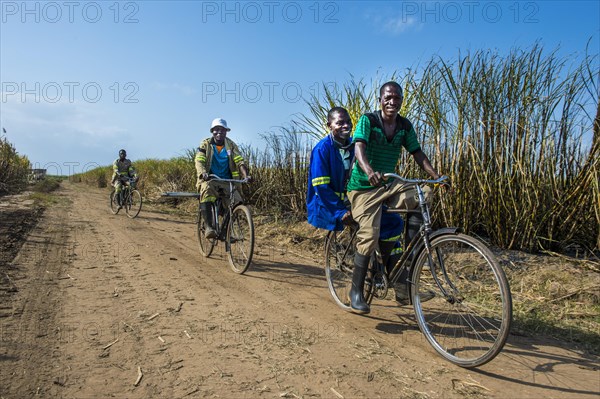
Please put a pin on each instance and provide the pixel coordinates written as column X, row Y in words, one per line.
column 280, row 173
column 14, row 168
column 510, row 131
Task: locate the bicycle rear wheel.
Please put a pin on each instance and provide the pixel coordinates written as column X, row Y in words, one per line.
column 470, row 323
column 114, row 207
column 339, row 264
column 240, row 239
column 205, row 245
column 133, row 204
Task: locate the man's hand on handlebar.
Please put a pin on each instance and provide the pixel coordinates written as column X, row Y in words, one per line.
column 446, row 184
column 248, row 178
column 205, row 177
column 375, row 178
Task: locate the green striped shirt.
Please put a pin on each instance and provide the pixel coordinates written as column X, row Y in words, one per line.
column 382, row 155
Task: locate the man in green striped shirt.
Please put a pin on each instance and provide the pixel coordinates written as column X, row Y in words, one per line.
column 379, row 138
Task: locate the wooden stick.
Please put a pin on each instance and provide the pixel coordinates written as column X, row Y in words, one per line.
column 192, row 391
column 573, row 293
column 139, row 377
column 111, row 344
column 339, row 395
column 153, row 316
column 188, row 335
column 161, row 340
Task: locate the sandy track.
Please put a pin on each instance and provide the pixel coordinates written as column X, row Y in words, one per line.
column 89, row 279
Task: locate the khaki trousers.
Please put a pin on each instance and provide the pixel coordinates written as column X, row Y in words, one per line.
column 366, row 210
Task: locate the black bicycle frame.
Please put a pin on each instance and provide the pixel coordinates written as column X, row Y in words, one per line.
column 421, row 242
column 228, row 211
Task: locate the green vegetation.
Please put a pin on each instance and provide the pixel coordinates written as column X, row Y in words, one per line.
column 47, row 185
column 43, row 191
column 14, row 168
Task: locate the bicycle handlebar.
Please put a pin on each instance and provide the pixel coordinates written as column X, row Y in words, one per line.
column 440, row 180
column 215, row 177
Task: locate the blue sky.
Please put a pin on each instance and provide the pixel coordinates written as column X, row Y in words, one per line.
column 82, row 79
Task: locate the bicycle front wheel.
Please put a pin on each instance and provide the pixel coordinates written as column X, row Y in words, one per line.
column 340, row 248
column 240, row 239
column 114, row 207
column 468, row 320
column 134, row 204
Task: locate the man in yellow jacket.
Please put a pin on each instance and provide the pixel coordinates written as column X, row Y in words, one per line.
column 220, row 156
column 122, row 170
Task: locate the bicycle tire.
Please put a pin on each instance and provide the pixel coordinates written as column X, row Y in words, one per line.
column 468, row 327
column 205, row 245
column 134, row 204
column 114, row 207
column 240, row 239
column 339, row 264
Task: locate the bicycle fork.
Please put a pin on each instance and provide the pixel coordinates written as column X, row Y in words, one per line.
column 424, row 232
column 454, row 296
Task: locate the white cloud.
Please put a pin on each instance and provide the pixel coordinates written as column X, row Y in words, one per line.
column 395, row 25
column 401, row 24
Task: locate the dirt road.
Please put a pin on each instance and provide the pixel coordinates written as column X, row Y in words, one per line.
column 103, row 302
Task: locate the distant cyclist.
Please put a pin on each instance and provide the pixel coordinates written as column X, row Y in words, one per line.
column 122, row 170
column 220, row 156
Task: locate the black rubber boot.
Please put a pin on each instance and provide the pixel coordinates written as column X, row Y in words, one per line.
column 207, row 214
column 357, row 299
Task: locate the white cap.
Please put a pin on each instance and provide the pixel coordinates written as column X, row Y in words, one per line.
column 219, row 122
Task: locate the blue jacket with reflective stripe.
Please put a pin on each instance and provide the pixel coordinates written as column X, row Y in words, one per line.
column 326, row 185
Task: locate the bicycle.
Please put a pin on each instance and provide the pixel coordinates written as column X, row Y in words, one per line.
column 468, row 320
column 130, row 199
column 234, row 226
